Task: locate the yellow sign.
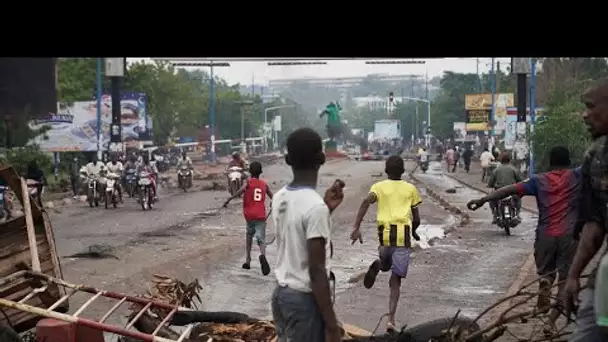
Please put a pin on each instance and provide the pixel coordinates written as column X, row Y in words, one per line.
column 478, row 115
column 484, row 102
column 477, row 127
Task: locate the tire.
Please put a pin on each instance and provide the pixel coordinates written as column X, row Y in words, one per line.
column 108, row 199
column 507, row 229
column 114, row 200
column 143, row 195
column 90, row 197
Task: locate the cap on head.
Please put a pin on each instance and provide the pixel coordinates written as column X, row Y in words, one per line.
column 305, row 150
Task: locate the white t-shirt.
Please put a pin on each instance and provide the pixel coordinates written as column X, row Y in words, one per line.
column 298, row 214
column 424, row 156
column 485, row 158
column 115, row 168
column 94, row 168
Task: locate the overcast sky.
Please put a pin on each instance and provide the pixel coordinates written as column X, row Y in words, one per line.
column 245, row 72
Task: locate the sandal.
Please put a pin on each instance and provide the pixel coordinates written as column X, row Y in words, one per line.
column 246, row 266
column 390, row 328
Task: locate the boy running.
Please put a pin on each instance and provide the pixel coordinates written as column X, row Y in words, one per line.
column 254, row 210
column 397, row 221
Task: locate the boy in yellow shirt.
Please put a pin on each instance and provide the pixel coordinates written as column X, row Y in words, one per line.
column 397, row 221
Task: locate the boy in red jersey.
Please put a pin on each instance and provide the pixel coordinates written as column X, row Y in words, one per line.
column 254, row 210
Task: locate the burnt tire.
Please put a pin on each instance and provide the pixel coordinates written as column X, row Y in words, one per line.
column 428, row 331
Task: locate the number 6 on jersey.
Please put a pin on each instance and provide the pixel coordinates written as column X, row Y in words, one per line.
column 257, row 194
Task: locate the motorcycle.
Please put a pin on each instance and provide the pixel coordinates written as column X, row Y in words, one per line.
column 184, row 178
column 235, row 179
column 506, row 215
column 424, row 166
column 131, row 182
column 111, row 190
column 92, row 194
column 146, row 197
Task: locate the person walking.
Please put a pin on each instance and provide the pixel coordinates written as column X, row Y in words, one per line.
column 75, row 176
column 485, row 159
column 467, row 155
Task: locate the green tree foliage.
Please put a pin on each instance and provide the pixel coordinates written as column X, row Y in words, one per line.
column 563, row 127
column 178, row 99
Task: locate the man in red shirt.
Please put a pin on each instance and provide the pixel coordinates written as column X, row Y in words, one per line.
column 254, row 210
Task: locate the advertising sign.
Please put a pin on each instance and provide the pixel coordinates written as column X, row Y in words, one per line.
column 483, row 102
column 515, row 136
column 74, row 128
column 460, row 131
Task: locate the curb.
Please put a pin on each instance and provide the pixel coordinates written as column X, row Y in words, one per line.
column 455, row 210
column 524, row 269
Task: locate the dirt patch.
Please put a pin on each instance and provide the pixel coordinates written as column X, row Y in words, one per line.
column 96, row 252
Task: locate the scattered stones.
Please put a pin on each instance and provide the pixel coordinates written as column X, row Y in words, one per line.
column 49, row 205
column 67, row 201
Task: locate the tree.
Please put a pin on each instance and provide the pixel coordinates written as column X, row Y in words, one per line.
column 562, row 127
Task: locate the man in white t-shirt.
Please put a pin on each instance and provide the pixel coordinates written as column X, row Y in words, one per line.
column 301, row 303
column 486, row 158
column 115, row 166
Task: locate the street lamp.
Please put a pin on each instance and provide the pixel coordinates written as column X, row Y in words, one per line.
column 266, row 122
column 243, row 104
column 210, row 64
column 428, row 119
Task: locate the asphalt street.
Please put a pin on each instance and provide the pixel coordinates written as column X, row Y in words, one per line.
column 186, row 237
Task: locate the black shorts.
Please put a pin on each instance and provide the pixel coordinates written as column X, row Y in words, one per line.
column 554, row 253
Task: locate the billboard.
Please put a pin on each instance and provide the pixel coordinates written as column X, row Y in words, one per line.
column 479, row 107
column 460, row 131
column 74, row 127
column 514, row 135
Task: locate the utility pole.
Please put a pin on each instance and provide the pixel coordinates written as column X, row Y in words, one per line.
column 415, row 126
column 532, row 112
column 493, row 93
column 115, row 69
column 99, row 104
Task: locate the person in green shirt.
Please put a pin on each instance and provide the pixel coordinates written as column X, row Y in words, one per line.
column 332, row 110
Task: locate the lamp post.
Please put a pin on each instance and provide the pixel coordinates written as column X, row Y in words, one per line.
column 243, row 104
column 266, row 122
column 211, row 65
column 428, row 117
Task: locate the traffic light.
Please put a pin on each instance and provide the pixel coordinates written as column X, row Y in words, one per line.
column 390, row 96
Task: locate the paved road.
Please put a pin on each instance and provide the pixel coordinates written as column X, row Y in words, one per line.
column 466, row 270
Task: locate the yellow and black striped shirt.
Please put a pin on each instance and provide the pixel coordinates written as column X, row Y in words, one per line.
column 395, row 200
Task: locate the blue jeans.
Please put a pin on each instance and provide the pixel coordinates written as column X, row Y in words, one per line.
column 586, row 329
column 296, row 316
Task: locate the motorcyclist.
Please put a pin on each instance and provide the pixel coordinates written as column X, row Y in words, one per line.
column 423, row 156
column 505, row 174
column 114, row 166
column 184, row 161
column 147, row 166
column 236, row 161
column 95, row 167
